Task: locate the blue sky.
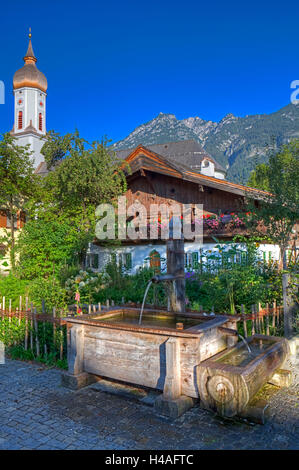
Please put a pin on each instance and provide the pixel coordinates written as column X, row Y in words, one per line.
column 114, row 65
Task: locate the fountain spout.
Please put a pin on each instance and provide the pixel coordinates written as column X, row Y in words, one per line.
column 228, row 331
column 166, row 278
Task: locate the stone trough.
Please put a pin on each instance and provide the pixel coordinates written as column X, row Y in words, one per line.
column 229, row 381
column 185, row 355
column 162, row 353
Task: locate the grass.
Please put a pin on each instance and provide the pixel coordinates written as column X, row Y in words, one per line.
column 51, row 360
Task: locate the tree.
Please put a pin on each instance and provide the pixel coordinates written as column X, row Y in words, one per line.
column 259, row 178
column 44, row 245
column 278, row 208
column 83, row 176
column 18, row 184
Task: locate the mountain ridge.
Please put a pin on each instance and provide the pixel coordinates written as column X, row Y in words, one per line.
column 237, row 143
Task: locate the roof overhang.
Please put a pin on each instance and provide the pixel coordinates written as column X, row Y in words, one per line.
column 143, row 158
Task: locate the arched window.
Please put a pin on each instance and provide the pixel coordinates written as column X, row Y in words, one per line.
column 40, row 121
column 20, row 120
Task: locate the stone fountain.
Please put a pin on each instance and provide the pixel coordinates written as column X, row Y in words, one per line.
column 185, row 355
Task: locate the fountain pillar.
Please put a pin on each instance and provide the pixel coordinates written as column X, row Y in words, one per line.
column 172, row 386
column 76, row 378
column 175, row 266
column 172, row 403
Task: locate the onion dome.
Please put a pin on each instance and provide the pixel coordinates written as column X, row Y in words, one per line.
column 29, row 75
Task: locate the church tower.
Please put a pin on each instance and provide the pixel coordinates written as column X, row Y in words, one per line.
column 29, row 88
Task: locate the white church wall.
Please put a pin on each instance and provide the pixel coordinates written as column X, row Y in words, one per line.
column 36, row 144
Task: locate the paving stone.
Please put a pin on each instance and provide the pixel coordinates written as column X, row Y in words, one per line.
column 37, row 413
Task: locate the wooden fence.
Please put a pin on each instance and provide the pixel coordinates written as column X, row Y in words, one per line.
column 41, row 333
column 45, row 333
column 265, row 321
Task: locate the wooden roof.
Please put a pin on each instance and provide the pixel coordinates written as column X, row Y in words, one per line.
column 142, row 158
column 186, row 152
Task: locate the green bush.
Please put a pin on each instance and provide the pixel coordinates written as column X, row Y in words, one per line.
column 12, row 288
column 217, row 281
column 48, row 290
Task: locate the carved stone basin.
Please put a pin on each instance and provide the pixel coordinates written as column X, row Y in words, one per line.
column 154, row 354
column 228, row 381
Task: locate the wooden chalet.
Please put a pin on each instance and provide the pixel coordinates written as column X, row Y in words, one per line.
column 158, row 176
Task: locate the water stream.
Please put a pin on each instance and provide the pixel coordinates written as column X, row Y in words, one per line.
column 245, row 342
column 143, row 302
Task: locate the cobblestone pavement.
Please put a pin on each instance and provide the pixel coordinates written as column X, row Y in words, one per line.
column 37, row 413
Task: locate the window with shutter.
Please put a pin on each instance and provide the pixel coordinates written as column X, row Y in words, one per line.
column 128, row 262
column 2, row 219
column 195, row 259
column 155, row 261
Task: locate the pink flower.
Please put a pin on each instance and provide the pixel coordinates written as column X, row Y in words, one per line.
column 77, row 296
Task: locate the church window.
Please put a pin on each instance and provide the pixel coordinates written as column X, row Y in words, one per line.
column 40, row 122
column 20, row 120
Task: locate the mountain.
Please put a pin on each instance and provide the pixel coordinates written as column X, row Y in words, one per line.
column 237, row 143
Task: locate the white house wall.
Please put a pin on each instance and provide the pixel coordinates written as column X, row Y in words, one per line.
column 141, row 252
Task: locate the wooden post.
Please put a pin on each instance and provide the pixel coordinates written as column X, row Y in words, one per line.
column 94, row 308
column 15, row 318
column 257, row 325
column 176, row 266
column 273, row 314
column 267, row 319
column 89, row 308
column 26, row 332
column 286, row 309
column 122, row 300
column 44, row 327
column 259, row 320
column 277, row 315
column 253, row 321
column 36, row 334
column 107, row 303
column 26, row 304
column 99, row 306
column 31, row 327
column 3, row 303
column 244, row 321
column 45, row 338
column 54, row 328
column 20, row 304
column 61, row 343
column 9, row 312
